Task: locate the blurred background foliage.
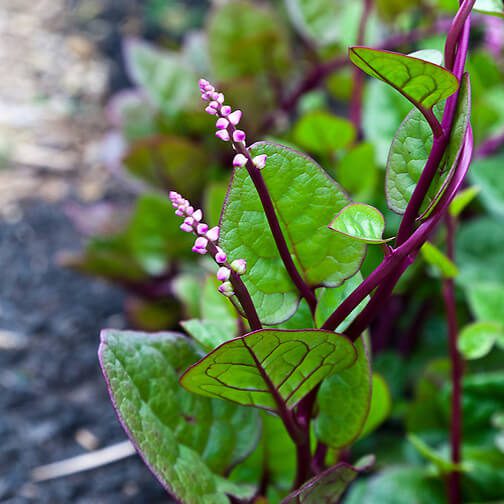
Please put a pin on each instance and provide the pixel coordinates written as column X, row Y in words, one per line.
column 284, row 64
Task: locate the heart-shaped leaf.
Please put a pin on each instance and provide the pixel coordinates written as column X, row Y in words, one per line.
column 421, row 82
column 186, row 440
column 492, row 7
column 410, row 150
column 267, row 366
column 477, row 339
column 329, row 485
column 343, row 402
column 361, row 222
column 305, row 199
column 487, row 301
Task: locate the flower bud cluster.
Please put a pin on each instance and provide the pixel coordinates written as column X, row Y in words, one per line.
column 206, row 242
column 226, row 125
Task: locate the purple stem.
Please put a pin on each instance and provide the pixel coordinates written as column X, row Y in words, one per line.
column 490, row 146
column 457, row 369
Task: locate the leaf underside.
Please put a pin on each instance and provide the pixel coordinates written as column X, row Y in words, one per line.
column 306, row 199
column 253, row 369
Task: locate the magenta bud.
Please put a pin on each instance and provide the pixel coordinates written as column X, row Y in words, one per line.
column 210, row 110
column 189, row 220
column 213, row 234
column 200, row 245
column 260, row 161
column 223, row 135
column 226, row 289
column 235, row 117
column 223, row 274
column 186, row 227
column 225, row 110
column 202, row 228
column 180, row 212
column 239, row 266
column 239, row 161
column 197, row 215
column 239, row 136
column 220, row 257
column 221, row 123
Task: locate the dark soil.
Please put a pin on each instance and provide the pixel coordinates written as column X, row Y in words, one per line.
column 50, row 384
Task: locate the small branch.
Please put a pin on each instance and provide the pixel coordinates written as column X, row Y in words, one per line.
column 490, row 146
column 454, row 490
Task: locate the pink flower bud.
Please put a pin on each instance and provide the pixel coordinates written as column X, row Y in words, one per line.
column 210, row 110
column 200, row 245
column 219, row 98
column 202, row 228
column 221, row 123
column 225, row 110
column 226, row 289
column 189, row 220
column 180, row 212
column 186, row 228
column 213, row 234
column 239, row 266
column 197, row 215
column 189, row 210
column 220, row 257
column 239, row 136
column 214, row 104
column 239, row 161
column 260, row 161
column 223, row 135
column 223, row 274
column 235, row 117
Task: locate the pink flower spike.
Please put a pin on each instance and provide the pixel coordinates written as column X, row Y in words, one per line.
column 210, row 110
column 202, row 228
column 197, row 215
column 203, row 83
column 189, row 220
column 219, row 97
column 260, row 161
column 226, row 289
column 239, row 136
column 223, row 274
column 200, row 245
column 180, row 212
column 225, row 110
column 221, row 123
column 214, row 104
column 186, row 228
column 239, row 266
column 213, row 234
column 239, row 161
column 235, row 117
column 189, row 210
column 220, row 257
column 223, row 135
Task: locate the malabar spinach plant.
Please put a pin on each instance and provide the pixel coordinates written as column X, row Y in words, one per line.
column 271, row 394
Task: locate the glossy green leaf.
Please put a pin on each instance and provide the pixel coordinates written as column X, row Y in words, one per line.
column 410, row 150
column 488, row 175
column 361, row 222
column 305, row 199
column 154, row 234
column 381, row 405
column 185, row 440
column 207, row 333
column 421, row 82
column 343, row 402
column 169, row 162
column 486, row 300
column 477, row 339
column 433, row 256
column 167, row 80
column 398, row 486
column 255, row 33
column 462, row 200
column 492, row 7
column 329, row 485
column 323, row 133
column 253, row 368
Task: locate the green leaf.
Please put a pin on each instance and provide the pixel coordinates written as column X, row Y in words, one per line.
column 488, row 175
column 421, row 82
column 185, row 440
column 164, row 76
column 357, row 172
column 463, row 199
column 443, row 465
column 433, row 256
column 252, row 31
column 477, row 339
column 410, row 150
column 207, row 333
column 343, row 402
column 381, row 405
column 398, row 486
column 154, row 235
column 329, row 485
column 487, row 301
column 330, row 298
column 323, row 133
column 492, row 7
column 305, row 200
column 430, row 55
column 253, row 368
column 361, row 222
column 169, row 162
